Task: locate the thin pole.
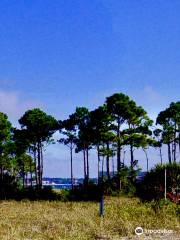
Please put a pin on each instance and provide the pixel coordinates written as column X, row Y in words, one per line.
column 165, row 178
column 101, row 206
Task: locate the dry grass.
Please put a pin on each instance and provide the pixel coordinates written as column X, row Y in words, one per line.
column 43, row 220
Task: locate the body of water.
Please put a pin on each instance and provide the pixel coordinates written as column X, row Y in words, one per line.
column 63, row 183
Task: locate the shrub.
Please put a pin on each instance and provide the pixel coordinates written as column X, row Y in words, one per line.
column 8, row 187
column 152, row 186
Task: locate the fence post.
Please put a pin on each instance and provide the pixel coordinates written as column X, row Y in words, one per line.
column 165, row 182
column 101, row 206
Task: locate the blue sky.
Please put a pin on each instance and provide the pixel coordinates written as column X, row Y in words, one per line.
column 59, row 54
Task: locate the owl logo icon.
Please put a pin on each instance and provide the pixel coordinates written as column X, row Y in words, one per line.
column 139, row 231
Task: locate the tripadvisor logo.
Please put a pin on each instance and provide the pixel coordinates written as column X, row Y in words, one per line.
column 139, row 231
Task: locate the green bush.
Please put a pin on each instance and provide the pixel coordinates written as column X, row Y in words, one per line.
column 8, row 187
column 129, row 190
column 122, row 183
column 152, row 186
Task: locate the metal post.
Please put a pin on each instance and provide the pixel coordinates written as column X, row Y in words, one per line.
column 165, row 180
column 101, row 206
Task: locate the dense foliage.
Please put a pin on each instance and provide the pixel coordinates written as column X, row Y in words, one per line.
column 153, row 184
column 113, row 129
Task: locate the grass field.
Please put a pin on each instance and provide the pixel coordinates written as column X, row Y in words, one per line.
column 43, row 220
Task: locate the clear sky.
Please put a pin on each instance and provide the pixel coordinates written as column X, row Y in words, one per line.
column 59, row 54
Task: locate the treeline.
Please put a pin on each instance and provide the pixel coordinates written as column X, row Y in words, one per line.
column 118, row 124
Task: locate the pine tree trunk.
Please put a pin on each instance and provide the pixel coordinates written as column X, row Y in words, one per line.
column 174, row 143
column 124, row 158
column 118, row 148
column 26, row 179
column 132, row 155
column 169, row 152
column 160, row 152
column 84, row 158
column 107, row 163
column 102, row 175
column 87, row 158
column 174, row 157
column 23, row 177
column 113, row 165
column 30, row 167
column 36, row 167
column 39, row 165
column 132, row 163
column 147, row 160
column 71, row 155
column 98, row 162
